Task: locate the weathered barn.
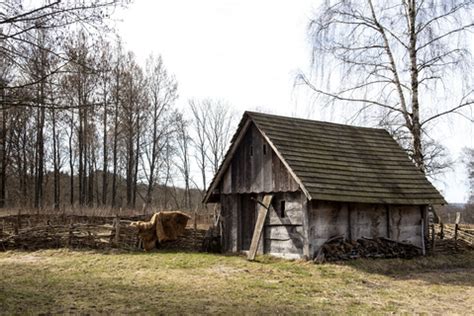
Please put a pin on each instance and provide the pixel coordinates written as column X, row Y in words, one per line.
column 323, row 179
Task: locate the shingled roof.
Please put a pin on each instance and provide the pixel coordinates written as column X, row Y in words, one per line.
column 336, row 162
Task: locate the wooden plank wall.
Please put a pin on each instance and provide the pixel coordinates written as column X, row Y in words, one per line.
column 284, row 236
column 281, row 236
column 356, row 220
column 254, row 169
column 230, row 216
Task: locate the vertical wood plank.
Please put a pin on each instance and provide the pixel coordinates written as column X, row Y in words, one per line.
column 257, row 233
column 235, row 214
column 349, row 221
column 256, row 178
column 276, row 174
column 267, row 169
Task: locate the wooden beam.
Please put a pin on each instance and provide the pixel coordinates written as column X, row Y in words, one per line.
column 257, row 233
column 306, row 209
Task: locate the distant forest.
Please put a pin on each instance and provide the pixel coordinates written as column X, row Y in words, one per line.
column 83, row 123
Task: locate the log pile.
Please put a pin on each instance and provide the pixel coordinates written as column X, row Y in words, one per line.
column 338, row 248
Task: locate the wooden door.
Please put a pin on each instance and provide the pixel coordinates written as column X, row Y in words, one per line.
column 247, row 220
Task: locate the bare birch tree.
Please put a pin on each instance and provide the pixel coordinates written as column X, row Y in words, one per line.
column 404, row 60
column 468, row 160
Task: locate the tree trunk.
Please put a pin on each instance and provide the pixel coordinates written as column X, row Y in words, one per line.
column 415, row 117
column 130, row 164
column 137, row 158
column 71, row 160
column 105, row 153
column 3, row 147
column 55, row 162
column 114, row 153
column 40, row 152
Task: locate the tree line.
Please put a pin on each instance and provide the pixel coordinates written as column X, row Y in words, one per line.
column 83, row 123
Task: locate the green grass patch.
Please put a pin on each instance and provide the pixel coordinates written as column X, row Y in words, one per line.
column 87, row 282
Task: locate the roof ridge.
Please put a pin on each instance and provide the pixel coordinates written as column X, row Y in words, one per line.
column 254, row 113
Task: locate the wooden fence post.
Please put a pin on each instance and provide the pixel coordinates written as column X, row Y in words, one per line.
column 117, row 230
column 69, row 240
column 456, row 227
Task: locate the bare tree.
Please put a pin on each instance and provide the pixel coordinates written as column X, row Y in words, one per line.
column 133, row 104
column 105, row 76
column 117, row 84
column 399, row 60
column 20, row 21
column 183, row 151
column 200, row 141
column 161, row 94
column 219, row 130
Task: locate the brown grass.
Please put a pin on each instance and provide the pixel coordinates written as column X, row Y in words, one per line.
column 62, row 281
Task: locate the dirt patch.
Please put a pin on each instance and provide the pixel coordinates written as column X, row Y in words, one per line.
column 25, row 259
column 226, row 270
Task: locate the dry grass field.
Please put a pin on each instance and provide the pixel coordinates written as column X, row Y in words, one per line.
column 85, row 282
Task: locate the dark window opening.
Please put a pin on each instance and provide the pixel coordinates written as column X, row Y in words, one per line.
column 251, row 151
column 282, row 209
column 264, row 149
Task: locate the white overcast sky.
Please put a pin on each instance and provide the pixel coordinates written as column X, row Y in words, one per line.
column 248, row 52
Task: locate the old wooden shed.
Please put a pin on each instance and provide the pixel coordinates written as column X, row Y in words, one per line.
column 323, row 180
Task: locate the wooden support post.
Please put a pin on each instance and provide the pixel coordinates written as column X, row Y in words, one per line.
column 423, row 249
column 257, row 233
column 433, row 237
column 424, row 228
column 305, row 208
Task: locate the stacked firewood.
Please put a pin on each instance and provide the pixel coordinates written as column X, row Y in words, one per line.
column 338, row 248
